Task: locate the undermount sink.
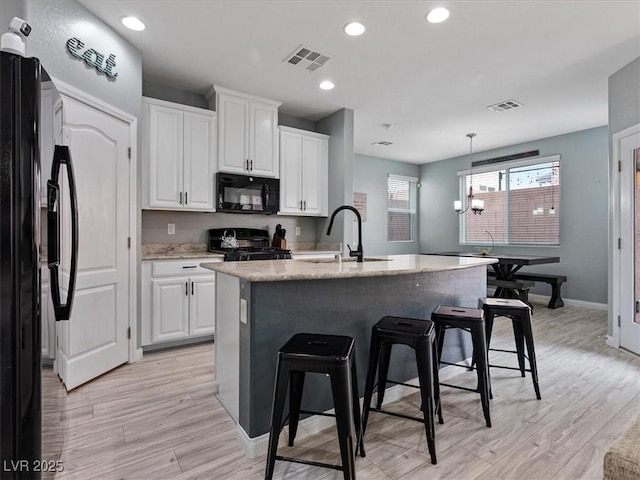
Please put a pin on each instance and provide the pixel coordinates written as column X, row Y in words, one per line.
column 345, row 260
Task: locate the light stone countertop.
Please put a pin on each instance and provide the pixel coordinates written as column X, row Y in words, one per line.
column 285, row 270
column 177, row 251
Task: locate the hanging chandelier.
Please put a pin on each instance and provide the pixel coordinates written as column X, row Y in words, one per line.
column 477, row 206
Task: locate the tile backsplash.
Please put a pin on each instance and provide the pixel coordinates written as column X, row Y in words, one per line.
column 191, row 227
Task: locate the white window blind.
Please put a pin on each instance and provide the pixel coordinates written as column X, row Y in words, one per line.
column 521, row 203
column 401, row 208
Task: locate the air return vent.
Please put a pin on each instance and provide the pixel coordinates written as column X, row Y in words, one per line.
column 504, row 106
column 307, row 58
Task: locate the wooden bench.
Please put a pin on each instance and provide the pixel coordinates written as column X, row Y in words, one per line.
column 555, row 281
column 520, row 287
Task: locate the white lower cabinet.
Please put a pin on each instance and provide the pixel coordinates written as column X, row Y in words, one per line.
column 178, row 300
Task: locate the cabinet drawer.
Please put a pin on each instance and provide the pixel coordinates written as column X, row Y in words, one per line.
column 181, row 267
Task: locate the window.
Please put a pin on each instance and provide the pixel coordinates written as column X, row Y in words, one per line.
column 401, row 208
column 521, row 203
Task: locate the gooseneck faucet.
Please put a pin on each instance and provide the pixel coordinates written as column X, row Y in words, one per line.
column 358, row 253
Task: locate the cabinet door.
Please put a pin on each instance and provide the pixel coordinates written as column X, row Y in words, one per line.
column 170, row 309
column 263, row 140
column 202, row 305
column 165, row 156
column 290, row 172
column 199, row 161
column 233, row 133
column 314, row 175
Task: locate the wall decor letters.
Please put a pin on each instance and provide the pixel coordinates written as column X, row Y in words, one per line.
column 92, row 57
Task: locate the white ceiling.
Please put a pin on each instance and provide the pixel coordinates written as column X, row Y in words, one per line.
column 431, row 82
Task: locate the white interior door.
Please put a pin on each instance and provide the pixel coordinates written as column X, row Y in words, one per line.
column 630, row 242
column 95, row 339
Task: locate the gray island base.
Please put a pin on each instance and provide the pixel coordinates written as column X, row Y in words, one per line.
column 261, row 304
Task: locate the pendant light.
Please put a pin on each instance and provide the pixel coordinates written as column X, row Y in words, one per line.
column 477, row 206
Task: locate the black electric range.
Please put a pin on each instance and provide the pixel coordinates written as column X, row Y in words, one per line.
column 242, row 244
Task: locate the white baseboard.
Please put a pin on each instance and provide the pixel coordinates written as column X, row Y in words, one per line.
column 568, row 301
column 612, row 342
column 254, row 447
column 137, row 356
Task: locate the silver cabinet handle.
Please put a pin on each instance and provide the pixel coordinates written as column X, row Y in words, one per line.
column 186, row 288
column 191, row 288
column 246, row 164
column 186, row 197
column 180, row 198
column 190, row 266
column 305, row 206
column 300, row 204
column 251, row 165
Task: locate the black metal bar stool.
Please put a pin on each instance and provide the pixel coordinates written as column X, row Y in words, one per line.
column 470, row 320
column 520, row 315
column 419, row 335
column 332, row 355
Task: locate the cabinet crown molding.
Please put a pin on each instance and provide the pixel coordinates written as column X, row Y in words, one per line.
column 227, row 91
column 309, row 133
column 180, row 106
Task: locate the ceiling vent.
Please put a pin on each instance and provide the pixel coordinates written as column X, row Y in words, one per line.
column 307, row 58
column 504, row 106
column 382, row 143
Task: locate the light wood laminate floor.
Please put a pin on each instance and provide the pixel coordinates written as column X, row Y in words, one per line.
column 159, row 418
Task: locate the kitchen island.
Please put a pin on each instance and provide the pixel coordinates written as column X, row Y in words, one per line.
column 261, row 304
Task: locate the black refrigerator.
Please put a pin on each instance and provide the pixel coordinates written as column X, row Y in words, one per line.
column 28, row 99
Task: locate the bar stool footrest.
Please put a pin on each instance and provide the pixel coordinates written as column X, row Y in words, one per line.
column 324, row 414
column 310, row 462
column 508, row 368
column 400, row 415
column 474, row 390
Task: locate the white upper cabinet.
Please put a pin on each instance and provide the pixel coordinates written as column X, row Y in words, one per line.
column 247, row 133
column 304, row 172
column 179, row 156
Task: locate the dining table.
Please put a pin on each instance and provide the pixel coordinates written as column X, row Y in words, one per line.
column 506, row 267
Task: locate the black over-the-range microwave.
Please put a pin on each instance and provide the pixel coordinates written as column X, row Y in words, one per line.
column 247, row 194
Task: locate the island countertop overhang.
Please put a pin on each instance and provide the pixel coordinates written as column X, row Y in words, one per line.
column 385, row 265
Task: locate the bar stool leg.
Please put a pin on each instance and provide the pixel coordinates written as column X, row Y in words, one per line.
column 355, row 405
column 423, row 356
column 383, row 370
column 436, row 381
column 342, row 404
column 519, row 338
column 374, row 354
column 484, row 385
column 531, row 350
column 279, row 396
column 296, row 385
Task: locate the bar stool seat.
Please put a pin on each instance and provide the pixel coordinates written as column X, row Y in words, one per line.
column 471, row 320
column 333, row 355
column 420, row 335
column 520, row 315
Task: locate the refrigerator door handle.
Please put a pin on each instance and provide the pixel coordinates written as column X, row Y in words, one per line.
column 61, row 156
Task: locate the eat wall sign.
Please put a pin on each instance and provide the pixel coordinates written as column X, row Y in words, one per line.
column 92, row 57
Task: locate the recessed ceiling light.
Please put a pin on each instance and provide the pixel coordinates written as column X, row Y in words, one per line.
column 437, row 15
column 354, row 29
column 133, row 23
column 327, row 85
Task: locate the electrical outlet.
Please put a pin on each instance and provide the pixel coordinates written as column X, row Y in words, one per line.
column 297, row 230
column 171, row 228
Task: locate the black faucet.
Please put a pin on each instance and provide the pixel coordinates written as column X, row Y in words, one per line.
column 358, row 253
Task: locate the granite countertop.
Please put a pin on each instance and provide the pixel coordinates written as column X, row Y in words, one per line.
column 177, row 251
column 284, row 270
